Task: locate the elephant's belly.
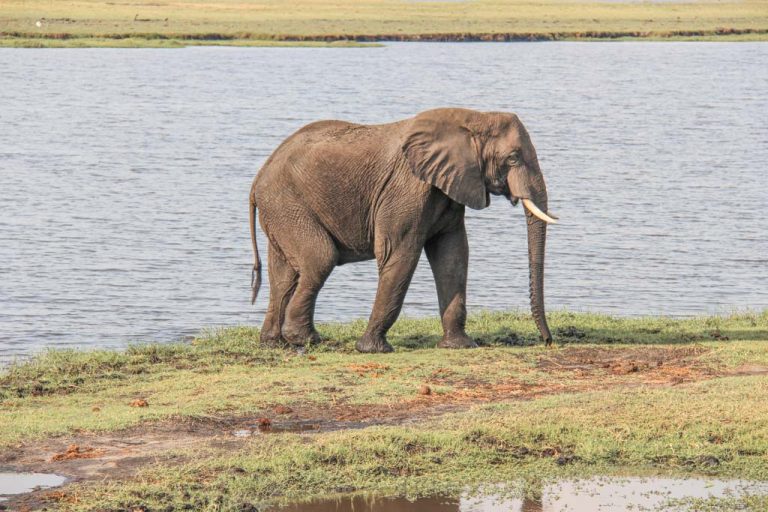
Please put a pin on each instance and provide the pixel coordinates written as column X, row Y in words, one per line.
column 348, row 256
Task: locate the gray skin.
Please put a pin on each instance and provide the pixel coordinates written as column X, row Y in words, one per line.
column 336, row 192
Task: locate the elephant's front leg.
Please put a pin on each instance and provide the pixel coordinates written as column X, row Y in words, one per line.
column 448, row 256
column 395, row 272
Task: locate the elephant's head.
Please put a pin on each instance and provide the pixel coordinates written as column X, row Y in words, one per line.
column 470, row 155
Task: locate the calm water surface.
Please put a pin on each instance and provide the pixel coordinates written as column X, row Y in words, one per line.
column 20, row 483
column 124, row 177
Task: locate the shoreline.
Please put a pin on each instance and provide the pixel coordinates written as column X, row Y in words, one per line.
column 16, row 39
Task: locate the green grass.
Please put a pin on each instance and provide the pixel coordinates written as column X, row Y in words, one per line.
column 650, row 431
column 725, row 504
column 234, row 20
column 61, row 372
column 228, row 370
column 694, row 401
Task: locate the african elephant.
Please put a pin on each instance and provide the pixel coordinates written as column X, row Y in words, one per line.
column 336, row 192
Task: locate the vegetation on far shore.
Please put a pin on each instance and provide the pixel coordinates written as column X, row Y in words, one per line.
column 140, row 42
column 148, row 22
column 616, row 396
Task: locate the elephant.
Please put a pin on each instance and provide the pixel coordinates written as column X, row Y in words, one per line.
column 336, row 192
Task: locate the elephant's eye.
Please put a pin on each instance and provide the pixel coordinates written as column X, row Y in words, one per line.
column 514, row 158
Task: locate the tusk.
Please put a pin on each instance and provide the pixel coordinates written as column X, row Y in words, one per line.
column 538, row 213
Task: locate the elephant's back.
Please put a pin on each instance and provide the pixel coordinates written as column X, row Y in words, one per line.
column 334, row 170
column 292, row 151
column 327, row 130
column 329, row 149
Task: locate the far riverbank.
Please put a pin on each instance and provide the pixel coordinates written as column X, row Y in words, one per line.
column 349, row 23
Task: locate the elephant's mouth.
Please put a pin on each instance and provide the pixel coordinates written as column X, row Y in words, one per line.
column 510, row 196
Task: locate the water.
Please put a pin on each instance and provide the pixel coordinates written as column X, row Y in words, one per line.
column 595, row 495
column 124, row 177
column 19, row 483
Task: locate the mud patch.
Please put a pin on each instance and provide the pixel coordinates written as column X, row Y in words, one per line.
column 671, row 365
column 295, row 427
column 120, row 454
column 74, row 451
column 114, row 455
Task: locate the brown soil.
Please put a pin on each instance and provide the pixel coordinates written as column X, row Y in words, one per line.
column 115, row 455
column 649, row 365
column 371, row 369
column 139, row 402
column 74, row 451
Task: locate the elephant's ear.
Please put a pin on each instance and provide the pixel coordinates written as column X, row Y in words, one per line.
column 441, row 152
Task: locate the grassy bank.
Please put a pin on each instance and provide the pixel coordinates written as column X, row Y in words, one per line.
column 100, row 23
column 616, row 396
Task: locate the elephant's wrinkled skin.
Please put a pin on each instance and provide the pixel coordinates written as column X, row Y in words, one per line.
column 336, row 192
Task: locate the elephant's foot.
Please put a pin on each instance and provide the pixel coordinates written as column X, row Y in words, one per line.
column 301, row 336
column 371, row 343
column 457, row 341
column 270, row 339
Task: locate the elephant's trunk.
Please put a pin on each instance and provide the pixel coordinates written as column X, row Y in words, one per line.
column 532, row 190
column 537, row 237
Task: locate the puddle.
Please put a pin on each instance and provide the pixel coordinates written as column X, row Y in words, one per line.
column 596, row 494
column 19, row 483
column 611, row 494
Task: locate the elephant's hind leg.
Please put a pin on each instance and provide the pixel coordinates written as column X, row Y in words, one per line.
column 316, row 258
column 282, row 283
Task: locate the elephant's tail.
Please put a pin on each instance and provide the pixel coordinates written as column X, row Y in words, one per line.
column 256, row 272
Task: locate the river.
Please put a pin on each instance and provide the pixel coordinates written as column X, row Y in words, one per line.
column 124, row 178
